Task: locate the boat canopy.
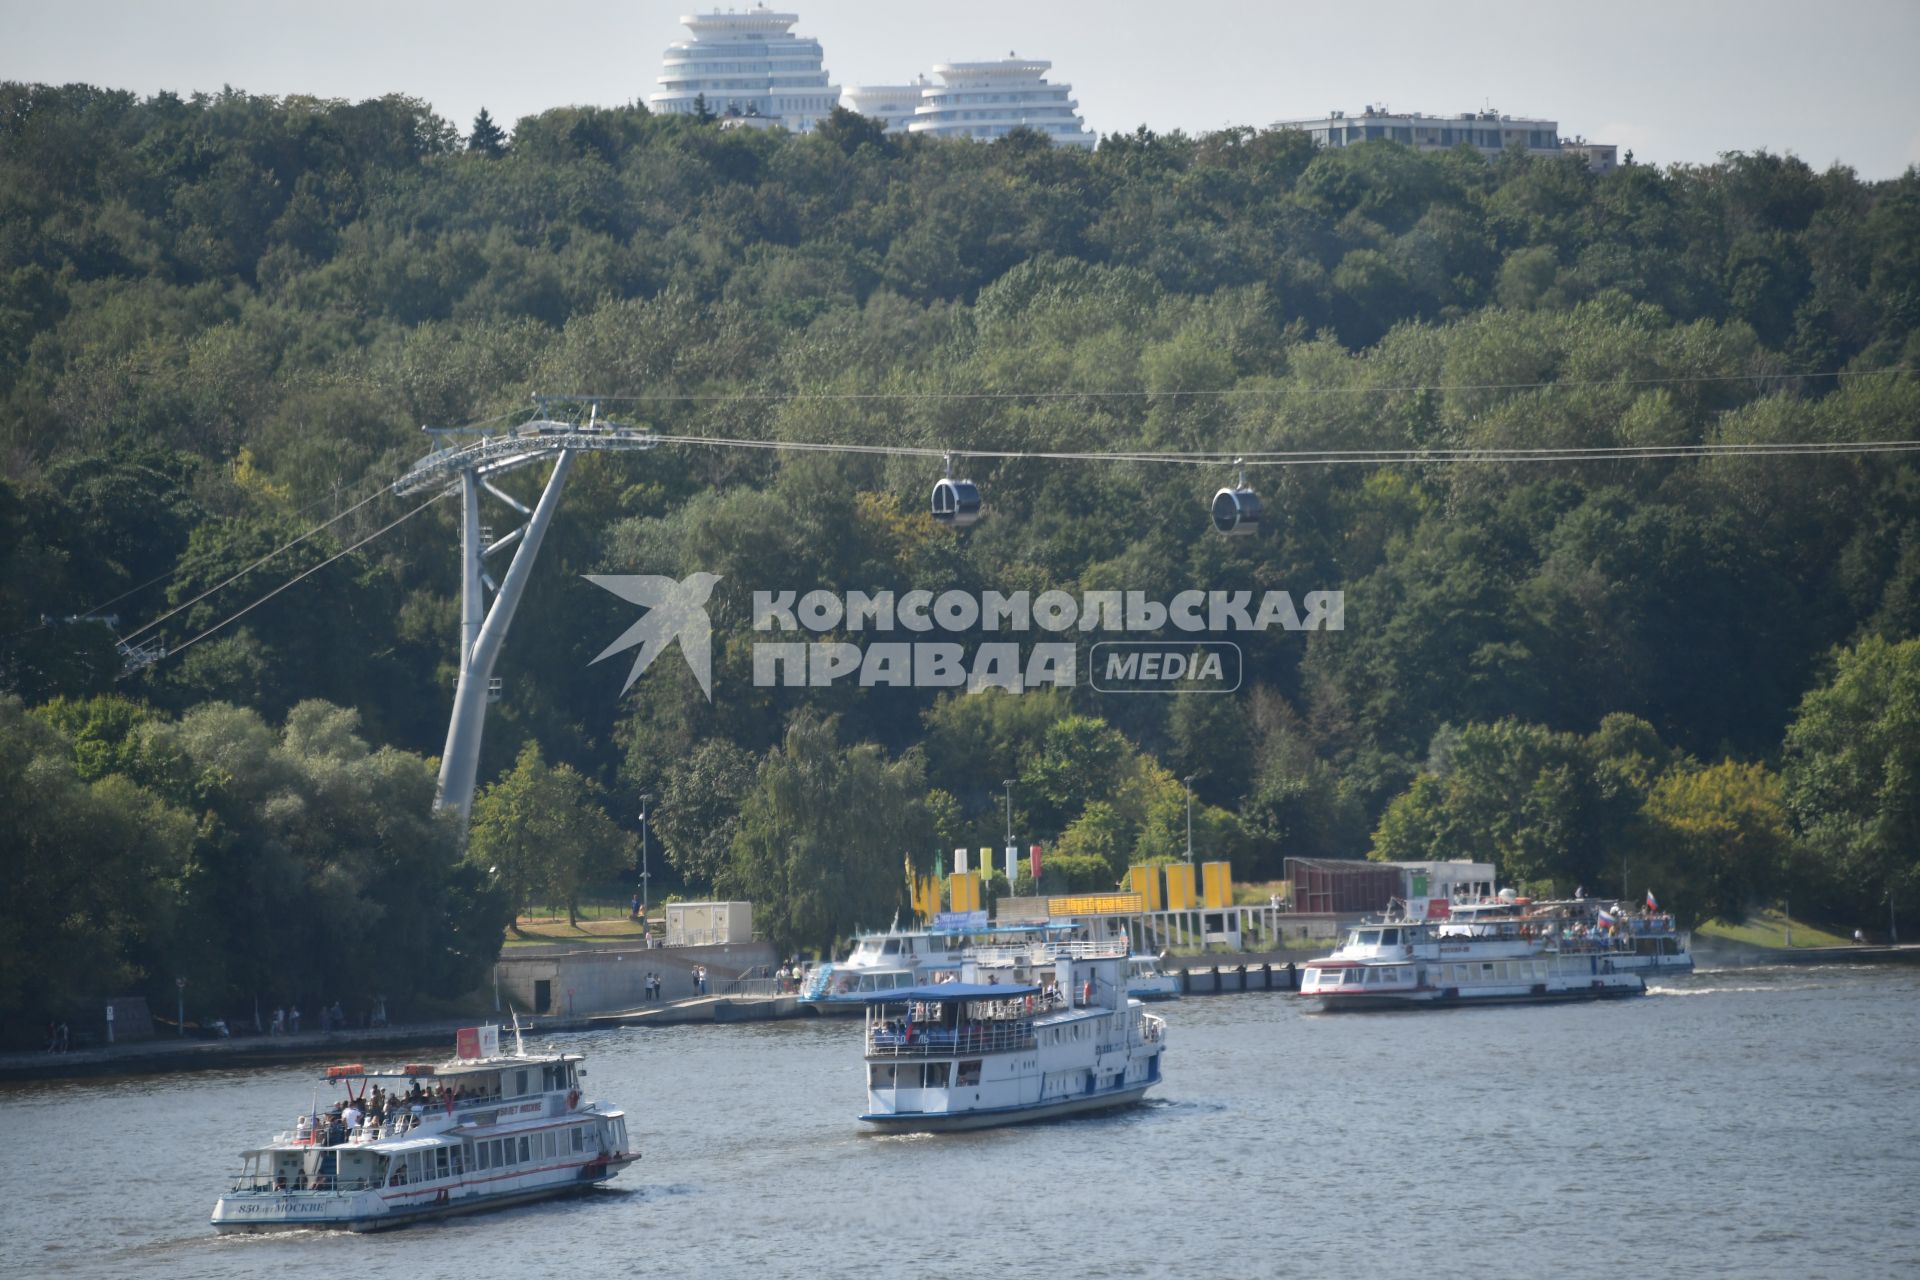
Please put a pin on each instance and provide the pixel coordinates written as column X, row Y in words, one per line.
column 947, row 991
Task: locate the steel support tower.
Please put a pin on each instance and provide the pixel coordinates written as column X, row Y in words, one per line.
column 470, row 463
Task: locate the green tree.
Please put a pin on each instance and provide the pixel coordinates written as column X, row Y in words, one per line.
column 487, row 137
column 1852, row 778
column 821, row 836
column 541, row 831
column 1721, row 833
column 700, row 808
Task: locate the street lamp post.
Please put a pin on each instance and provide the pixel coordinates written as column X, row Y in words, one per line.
column 1008, row 784
column 1189, row 781
column 646, row 809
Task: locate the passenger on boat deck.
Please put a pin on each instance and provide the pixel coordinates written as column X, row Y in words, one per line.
column 280, row 1181
column 302, row 1127
column 353, row 1116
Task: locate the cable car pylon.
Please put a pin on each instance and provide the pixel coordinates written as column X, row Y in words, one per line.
column 471, row 464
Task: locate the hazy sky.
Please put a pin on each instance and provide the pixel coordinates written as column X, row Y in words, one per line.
column 1673, row 80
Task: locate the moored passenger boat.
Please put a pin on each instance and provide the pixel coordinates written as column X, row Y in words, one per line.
column 480, row 1131
column 1397, row 963
column 970, row 1055
column 1147, row 980
column 1633, row 939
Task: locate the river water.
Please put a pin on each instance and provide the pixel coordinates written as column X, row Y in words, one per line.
column 1759, row 1122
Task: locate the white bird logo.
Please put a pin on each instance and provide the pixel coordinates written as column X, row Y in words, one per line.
column 675, row 611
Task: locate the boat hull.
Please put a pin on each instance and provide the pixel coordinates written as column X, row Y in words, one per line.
column 998, row 1117
column 255, row 1215
column 1452, row 998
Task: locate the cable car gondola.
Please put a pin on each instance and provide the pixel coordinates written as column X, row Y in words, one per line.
column 955, row 502
column 1236, row 511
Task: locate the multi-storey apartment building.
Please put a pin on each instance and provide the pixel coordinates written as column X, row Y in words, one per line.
column 1487, row 132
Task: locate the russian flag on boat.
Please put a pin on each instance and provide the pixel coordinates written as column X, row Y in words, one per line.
column 1651, row 904
column 1605, row 919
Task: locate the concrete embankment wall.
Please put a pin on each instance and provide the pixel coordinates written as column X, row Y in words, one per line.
column 580, row 982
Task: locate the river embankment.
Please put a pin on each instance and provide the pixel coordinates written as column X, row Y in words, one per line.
column 1212, row 973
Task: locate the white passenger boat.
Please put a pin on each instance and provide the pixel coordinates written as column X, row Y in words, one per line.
column 970, row 1055
column 1146, row 980
column 481, row 1131
column 1395, row 963
column 899, row 958
column 1632, row 938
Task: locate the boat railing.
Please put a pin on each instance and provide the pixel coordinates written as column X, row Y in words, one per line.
column 1147, row 1030
column 1590, row 945
column 320, row 1184
column 945, row 1042
column 1088, row 948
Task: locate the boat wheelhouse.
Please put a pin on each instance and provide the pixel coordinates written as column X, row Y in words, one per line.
column 1397, row 963
column 970, row 1055
column 423, row 1140
column 1146, row 980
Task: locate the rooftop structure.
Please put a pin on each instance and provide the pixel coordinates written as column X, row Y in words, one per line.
column 981, row 100
column 1488, row 132
column 891, row 104
column 746, row 66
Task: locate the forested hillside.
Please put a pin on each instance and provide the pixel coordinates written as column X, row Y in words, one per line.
column 224, row 320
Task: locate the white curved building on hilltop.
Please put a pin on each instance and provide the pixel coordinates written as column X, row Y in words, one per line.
column 891, row 104
column 747, row 65
column 987, row 100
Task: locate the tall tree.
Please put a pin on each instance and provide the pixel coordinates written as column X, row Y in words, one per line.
column 488, row 138
column 1852, row 771
column 540, row 830
column 822, row 835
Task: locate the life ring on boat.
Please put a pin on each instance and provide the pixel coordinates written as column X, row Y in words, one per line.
column 573, row 1099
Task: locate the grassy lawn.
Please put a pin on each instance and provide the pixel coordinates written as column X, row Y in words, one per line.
column 599, row 922
column 1769, row 929
column 1258, row 895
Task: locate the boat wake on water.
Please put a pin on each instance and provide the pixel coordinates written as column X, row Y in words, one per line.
column 1768, row 988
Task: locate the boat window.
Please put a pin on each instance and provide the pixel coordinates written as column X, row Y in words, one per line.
column 892, row 947
column 483, row 1156
column 549, row 1144
column 880, row 1076
column 1366, row 937
column 579, row 1139
column 524, row 1157
column 969, row 1073
column 1390, row 937
column 936, row 1075
column 439, row 1162
column 458, row 1158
